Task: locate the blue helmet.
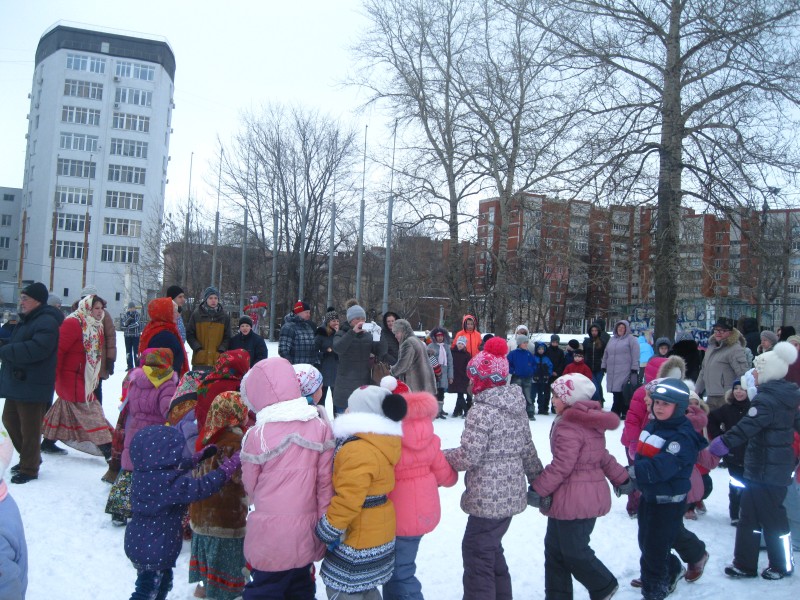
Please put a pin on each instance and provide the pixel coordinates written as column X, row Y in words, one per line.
column 674, row 391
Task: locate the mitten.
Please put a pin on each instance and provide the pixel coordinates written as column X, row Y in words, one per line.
column 626, row 488
column 534, row 499
column 207, row 452
column 631, row 472
column 231, row 465
column 717, row 447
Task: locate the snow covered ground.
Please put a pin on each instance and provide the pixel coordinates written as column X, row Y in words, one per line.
column 76, row 554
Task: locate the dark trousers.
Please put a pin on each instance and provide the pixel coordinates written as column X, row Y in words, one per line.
column 735, row 489
column 567, row 554
column 618, row 407
column 689, row 547
column 525, row 383
column 463, row 404
column 541, row 393
column 659, row 526
column 23, row 421
column 294, row 584
column 486, row 575
column 762, row 511
column 597, row 378
column 132, row 351
column 152, row 585
column 404, row 584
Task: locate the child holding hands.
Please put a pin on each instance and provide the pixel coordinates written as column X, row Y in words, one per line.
column 576, row 480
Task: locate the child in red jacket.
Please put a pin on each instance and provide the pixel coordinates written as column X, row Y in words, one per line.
column 577, row 365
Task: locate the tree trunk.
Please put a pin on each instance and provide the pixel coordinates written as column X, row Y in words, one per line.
column 669, row 186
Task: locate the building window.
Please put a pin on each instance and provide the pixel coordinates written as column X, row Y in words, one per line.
column 83, row 89
column 131, row 122
column 69, row 249
column 122, row 227
column 119, row 254
column 76, row 168
column 80, row 115
column 73, row 195
column 126, row 174
column 135, row 71
column 78, row 141
column 794, row 289
column 3, row 264
column 5, row 242
column 84, row 62
column 133, row 96
column 68, row 222
column 128, row 148
column 5, row 221
column 8, row 197
column 124, row 200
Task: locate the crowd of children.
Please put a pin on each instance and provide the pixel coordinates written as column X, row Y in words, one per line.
column 361, row 492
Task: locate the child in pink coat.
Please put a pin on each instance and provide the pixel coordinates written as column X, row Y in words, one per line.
column 286, row 470
column 418, row 475
column 576, row 482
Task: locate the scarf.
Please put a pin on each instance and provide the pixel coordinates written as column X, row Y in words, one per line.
column 442, row 355
column 227, row 411
column 280, row 412
column 161, row 311
column 158, row 365
column 93, row 341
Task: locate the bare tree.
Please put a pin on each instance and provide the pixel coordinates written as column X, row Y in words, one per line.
column 695, row 101
column 410, row 56
column 281, row 167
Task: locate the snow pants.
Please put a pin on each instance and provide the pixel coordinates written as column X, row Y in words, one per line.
column 152, row 585
column 404, row 585
column 486, row 575
column 567, row 554
column 276, row 585
column 762, row 511
column 659, row 526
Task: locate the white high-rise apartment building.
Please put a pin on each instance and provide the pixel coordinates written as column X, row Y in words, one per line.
column 96, row 164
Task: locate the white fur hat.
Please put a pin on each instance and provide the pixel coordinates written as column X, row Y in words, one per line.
column 378, row 401
column 573, row 387
column 774, row 364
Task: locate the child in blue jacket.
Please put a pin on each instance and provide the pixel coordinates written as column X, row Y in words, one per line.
column 162, row 487
column 521, row 364
column 665, row 456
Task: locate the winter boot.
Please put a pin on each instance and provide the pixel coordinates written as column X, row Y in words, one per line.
column 50, row 447
column 773, row 574
column 737, row 573
column 695, row 570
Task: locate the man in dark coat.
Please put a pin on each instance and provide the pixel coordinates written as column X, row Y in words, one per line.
column 249, row 340
column 28, row 377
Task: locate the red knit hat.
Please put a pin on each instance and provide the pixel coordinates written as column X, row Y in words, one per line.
column 489, row 368
column 300, row 307
column 394, row 385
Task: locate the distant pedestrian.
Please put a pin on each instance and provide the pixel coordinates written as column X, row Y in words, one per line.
column 296, row 343
column 209, row 330
column 132, row 328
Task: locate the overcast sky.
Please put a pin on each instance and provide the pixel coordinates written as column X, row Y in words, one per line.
column 230, row 56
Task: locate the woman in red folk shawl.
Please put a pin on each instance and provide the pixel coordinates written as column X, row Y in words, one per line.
column 76, row 417
column 162, row 332
column 225, row 377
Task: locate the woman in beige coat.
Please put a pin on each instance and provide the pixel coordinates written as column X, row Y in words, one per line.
column 412, row 364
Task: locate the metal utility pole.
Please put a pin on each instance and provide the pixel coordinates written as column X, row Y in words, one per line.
column 244, row 263
column 329, row 299
column 387, row 266
column 274, row 280
column 360, row 249
column 216, row 222
column 186, row 227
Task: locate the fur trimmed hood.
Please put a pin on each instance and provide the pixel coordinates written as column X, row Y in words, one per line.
column 734, row 338
column 589, row 414
column 350, row 424
column 674, row 367
column 421, row 405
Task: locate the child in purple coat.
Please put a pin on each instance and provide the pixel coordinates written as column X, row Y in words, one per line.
column 576, row 482
column 161, row 489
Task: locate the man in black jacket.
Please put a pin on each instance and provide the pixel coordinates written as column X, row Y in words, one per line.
column 28, row 377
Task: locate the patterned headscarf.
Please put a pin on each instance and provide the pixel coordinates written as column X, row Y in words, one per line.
column 93, row 342
column 227, row 375
column 185, row 396
column 158, row 365
column 227, row 410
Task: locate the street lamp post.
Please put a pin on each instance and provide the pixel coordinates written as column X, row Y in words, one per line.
column 87, row 221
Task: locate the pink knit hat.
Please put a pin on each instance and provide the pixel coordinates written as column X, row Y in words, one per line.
column 489, row 367
column 573, row 387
